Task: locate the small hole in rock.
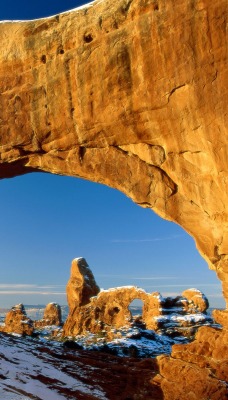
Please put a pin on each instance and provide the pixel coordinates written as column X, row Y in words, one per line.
column 88, row 38
column 61, row 51
column 43, row 59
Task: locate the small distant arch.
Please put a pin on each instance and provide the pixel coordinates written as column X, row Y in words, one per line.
column 136, row 309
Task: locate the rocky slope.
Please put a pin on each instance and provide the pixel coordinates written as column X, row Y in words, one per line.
column 46, row 371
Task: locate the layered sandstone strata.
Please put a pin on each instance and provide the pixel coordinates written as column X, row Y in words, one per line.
column 129, row 93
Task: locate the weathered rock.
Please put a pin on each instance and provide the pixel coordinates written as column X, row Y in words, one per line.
column 81, row 285
column 196, row 300
column 52, row 316
column 198, row 370
column 137, row 101
column 16, row 321
column 221, row 317
column 110, row 308
column 132, row 94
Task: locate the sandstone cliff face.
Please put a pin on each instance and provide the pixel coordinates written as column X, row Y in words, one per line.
column 129, row 93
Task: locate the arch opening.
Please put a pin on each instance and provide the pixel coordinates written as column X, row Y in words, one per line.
column 47, row 226
column 136, row 309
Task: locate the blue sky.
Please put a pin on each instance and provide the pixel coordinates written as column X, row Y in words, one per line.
column 48, row 220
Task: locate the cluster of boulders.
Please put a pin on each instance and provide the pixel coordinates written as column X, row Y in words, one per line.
column 94, row 310
column 17, row 321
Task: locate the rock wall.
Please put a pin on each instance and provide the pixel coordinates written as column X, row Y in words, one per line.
column 131, row 94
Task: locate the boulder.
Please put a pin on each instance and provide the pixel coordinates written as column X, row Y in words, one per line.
column 196, row 300
column 16, row 321
column 52, row 316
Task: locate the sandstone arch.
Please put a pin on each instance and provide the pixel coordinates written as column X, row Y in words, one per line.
column 131, row 94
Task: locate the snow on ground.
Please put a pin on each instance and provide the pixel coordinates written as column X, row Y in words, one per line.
column 29, row 372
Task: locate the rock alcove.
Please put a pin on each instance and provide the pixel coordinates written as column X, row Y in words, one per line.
column 131, row 94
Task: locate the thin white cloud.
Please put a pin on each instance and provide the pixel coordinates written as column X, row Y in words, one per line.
column 136, row 277
column 16, row 285
column 51, row 286
column 29, row 292
column 191, row 285
column 153, row 278
column 156, row 239
column 31, row 289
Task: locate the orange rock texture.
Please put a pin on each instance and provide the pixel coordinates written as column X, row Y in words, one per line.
column 52, row 316
column 16, row 321
column 92, row 310
column 198, row 370
column 131, row 94
column 81, row 285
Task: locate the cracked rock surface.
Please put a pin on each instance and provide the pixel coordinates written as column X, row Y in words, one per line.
column 131, row 94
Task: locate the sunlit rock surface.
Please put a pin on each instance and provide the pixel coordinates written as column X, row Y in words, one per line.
column 81, row 285
column 52, row 316
column 92, row 310
column 198, row 370
column 129, row 93
column 17, row 322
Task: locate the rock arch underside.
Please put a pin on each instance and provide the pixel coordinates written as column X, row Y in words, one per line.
column 131, row 94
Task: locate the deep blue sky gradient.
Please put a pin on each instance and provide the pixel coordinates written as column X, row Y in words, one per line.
column 48, row 220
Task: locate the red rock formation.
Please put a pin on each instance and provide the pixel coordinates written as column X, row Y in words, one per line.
column 52, row 316
column 81, row 285
column 132, row 94
column 198, row 370
column 16, row 321
column 137, row 101
column 196, row 301
column 93, row 311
